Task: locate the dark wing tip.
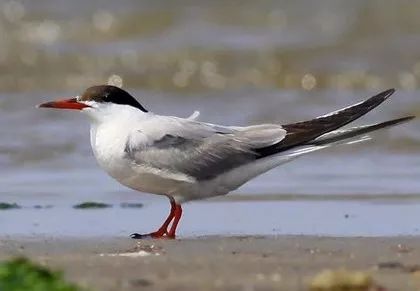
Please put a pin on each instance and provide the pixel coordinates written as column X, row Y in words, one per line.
column 394, row 121
column 359, row 109
column 305, row 131
column 357, row 131
column 379, row 98
column 388, row 92
column 405, row 119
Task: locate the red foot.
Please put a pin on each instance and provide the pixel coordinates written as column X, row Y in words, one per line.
column 163, row 233
column 152, row 235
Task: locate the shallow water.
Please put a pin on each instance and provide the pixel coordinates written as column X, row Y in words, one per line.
column 284, row 62
column 324, row 218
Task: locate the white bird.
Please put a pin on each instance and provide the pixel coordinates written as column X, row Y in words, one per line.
column 185, row 159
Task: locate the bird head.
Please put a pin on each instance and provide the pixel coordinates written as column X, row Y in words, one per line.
column 97, row 99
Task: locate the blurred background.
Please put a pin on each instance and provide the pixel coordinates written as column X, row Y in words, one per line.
column 238, row 62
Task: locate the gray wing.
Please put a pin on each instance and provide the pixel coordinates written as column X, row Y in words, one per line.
column 198, row 150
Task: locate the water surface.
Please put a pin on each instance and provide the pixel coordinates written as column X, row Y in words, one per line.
column 282, row 63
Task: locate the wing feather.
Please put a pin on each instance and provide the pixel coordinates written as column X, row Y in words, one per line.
column 199, row 150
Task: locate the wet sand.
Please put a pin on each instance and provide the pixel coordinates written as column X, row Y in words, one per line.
column 222, row 263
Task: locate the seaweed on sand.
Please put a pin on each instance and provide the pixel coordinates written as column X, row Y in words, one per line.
column 90, row 205
column 6, row 206
column 20, row 274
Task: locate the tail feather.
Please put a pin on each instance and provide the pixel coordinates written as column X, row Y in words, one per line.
column 304, row 132
column 349, row 133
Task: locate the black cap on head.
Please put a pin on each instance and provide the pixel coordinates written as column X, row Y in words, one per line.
column 110, row 94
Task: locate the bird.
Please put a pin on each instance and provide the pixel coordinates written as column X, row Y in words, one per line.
column 185, row 159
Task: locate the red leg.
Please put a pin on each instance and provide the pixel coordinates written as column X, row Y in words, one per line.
column 175, row 215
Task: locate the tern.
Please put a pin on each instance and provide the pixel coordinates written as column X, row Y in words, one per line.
column 185, row 159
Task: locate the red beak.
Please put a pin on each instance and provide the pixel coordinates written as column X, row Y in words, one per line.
column 71, row 103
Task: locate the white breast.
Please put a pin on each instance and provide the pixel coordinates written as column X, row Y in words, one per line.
column 108, row 142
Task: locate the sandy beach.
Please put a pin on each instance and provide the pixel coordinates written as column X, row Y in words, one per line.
column 221, row 263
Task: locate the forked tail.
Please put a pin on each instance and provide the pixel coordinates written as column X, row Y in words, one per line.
column 324, row 129
column 338, row 135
